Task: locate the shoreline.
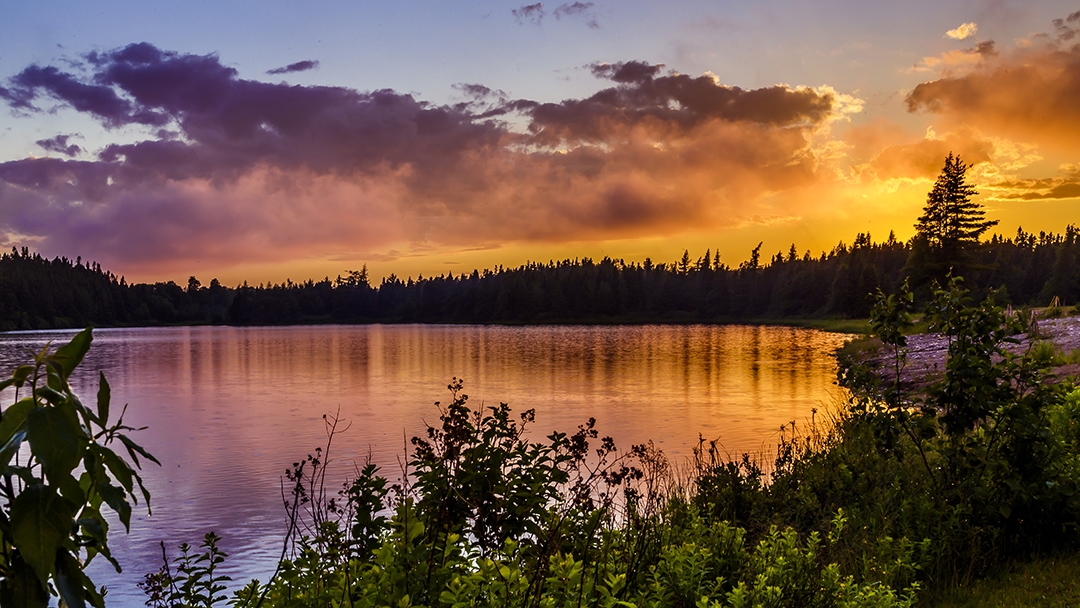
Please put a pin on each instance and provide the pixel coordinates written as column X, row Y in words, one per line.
column 927, row 352
column 843, row 326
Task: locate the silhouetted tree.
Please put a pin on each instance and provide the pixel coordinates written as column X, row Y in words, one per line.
column 950, row 225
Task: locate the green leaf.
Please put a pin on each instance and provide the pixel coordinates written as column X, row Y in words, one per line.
column 134, row 449
column 69, row 581
column 55, row 441
column 68, row 356
column 50, row 395
column 114, row 497
column 119, row 469
column 103, row 395
column 94, row 527
column 14, row 417
column 21, row 586
column 40, row 521
column 11, row 447
column 21, row 374
column 95, row 531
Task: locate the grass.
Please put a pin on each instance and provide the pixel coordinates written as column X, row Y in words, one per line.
column 1051, row 581
column 844, row 326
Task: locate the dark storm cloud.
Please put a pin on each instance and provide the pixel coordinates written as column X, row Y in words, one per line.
column 59, row 144
column 299, row 66
column 246, row 170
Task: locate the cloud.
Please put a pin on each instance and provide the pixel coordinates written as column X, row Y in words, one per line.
column 923, row 159
column 99, row 100
column 531, row 13
column 59, row 144
column 985, row 48
column 241, row 171
column 1028, row 94
column 965, row 31
column 952, row 62
column 535, row 13
column 1063, row 187
column 1065, row 29
column 668, row 102
column 578, row 9
column 299, row 66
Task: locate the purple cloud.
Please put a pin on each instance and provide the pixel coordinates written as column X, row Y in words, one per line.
column 299, row 66
column 576, row 8
column 97, row 99
column 241, row 170
column 59, row 144
column 532, row 13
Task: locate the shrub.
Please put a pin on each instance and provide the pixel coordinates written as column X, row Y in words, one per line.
column 51, row 522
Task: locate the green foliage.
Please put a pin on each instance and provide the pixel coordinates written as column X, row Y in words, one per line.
column 52, row 524
column 897, row 494
column 477, row 474
column 195, row 583
column 998, row 477
column 1047, row 582
column 491, row 518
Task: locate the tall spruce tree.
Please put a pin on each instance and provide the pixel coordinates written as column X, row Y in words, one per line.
column 951, row 224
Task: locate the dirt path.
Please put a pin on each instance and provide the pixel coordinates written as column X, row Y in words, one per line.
column 926, row 352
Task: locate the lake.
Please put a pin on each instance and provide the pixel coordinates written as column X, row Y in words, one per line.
column 228, row 409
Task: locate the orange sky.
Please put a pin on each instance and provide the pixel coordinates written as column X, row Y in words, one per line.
column 164, row 163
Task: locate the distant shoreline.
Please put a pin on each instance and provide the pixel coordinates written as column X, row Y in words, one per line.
column 843, row 326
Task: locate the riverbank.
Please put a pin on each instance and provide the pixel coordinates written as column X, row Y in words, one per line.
column 1056, row 340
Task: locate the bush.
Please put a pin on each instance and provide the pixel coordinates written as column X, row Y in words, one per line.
column 51, row 522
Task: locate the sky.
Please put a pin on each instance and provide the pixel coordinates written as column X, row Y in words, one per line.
column 262, row 141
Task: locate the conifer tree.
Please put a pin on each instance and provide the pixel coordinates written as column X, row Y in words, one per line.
column 950, row 219
column 950, row 225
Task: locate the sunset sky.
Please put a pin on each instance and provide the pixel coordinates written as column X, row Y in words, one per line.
column 265, row 140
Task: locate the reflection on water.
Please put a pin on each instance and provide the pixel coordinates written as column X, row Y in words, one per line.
column 229, row 409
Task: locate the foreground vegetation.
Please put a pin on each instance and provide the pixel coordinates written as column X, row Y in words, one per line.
column 896, row 500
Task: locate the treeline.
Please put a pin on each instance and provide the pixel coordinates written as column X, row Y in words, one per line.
column 1029, row 269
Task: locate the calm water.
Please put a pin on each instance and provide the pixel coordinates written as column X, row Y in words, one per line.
column 229, row 409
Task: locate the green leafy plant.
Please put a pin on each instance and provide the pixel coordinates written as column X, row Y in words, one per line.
column 196, row 582
column 58, row 472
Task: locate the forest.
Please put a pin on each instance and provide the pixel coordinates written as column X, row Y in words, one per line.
column 1027, row 269
column 1024, row 270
